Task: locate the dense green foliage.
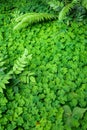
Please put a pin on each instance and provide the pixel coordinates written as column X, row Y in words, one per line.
column 43, row 73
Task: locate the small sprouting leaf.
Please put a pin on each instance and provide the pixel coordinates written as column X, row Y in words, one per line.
column 67, row 110
column 19, row 110
column 78, row 112
column 67, row 115
column 30, row 57
column 32, row 79
column 16, row 89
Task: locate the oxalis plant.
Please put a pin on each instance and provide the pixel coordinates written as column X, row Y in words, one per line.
column 57, row 101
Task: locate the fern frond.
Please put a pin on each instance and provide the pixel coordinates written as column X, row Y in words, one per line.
column 66, row 9
column 1, row 61
column 21, row 63
column 30, row 18
column 4, row 78
column 26, row 76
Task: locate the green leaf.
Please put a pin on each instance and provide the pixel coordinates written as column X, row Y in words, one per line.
column 67, row 115
column 1, row 90
column 67, row 110
column 32, row 79
column 78, row 112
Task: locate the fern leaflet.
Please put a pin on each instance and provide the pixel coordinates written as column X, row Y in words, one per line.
column 66, row 9
column 21, row 63
column 30, row 18
column 4, row 78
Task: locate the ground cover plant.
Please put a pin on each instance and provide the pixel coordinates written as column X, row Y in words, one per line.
column 43, row 74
